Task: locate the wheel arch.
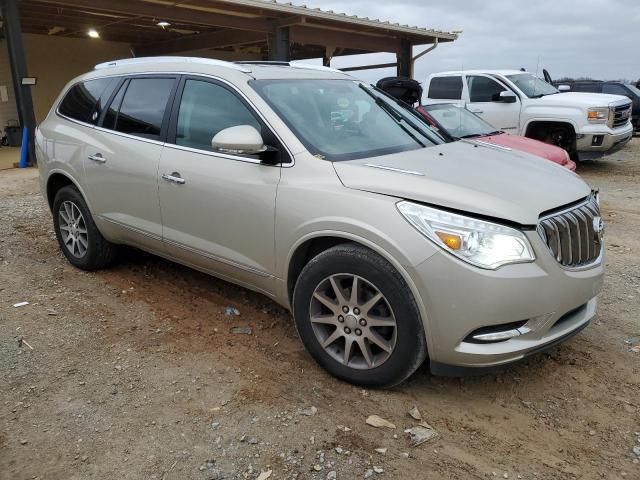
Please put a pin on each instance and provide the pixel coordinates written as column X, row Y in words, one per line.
column 59, row 179
column 313, row 244
column 537, row 122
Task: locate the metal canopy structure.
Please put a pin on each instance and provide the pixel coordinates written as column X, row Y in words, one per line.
column 232, row 29
column 268, row 29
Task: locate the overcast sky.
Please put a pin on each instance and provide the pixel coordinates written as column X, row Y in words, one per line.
column 595, row 38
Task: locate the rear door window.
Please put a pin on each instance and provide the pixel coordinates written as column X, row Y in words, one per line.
column 139, row 107
column 483, row 89
column 84, row 100
column 445, row 88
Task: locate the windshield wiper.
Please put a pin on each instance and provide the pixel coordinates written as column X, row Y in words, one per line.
column 474, row 135
column 399, row 119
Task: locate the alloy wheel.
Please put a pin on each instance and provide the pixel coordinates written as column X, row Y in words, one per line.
column 353, row 321
column 73, row 229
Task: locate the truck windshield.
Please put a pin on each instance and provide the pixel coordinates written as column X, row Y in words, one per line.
column 532, row 86
column 343, row 119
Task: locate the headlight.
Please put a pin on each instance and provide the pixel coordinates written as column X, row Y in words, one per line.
column 483, row 244
column 598, row 115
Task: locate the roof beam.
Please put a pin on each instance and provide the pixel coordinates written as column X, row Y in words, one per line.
column 219, row 39
column 358, row 41
column 171, row 12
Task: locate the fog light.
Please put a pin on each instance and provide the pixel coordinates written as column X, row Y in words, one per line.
column 498, row 333
column 596, row 141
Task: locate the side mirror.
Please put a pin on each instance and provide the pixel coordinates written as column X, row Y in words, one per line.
column 506, row 96
column 564, row 88
column 239, row 140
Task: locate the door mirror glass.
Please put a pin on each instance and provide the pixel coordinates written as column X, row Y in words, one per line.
column 238, row 140
column 505, row 97
column 564, row 88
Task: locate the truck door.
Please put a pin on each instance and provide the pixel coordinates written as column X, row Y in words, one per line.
column 486, row 101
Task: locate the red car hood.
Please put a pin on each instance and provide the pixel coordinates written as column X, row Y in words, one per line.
column 541, row 149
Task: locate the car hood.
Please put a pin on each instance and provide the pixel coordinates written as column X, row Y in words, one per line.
column 529, row 145
column 469, row 177
column 581, row 99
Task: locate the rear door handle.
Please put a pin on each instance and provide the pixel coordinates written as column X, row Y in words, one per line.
column 476, row 111
column 97, row 158
column 174, row 177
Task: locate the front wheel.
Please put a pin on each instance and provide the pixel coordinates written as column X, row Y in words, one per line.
column 79, row 238
column 357, row 317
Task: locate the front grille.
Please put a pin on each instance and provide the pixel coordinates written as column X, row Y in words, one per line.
column 621, row 115
column 574, row 236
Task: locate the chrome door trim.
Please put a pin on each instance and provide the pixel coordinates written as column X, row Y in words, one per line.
column 157, row 142
column 133, row 229
column 226, row 156
column 210, row 256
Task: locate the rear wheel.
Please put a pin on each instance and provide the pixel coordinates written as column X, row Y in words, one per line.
column 357, row 317
column 77, row 234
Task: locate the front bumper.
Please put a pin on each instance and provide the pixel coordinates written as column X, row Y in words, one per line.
column 460, row 299
column 597, row 140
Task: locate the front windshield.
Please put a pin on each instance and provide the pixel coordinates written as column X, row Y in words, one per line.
column 341, row 119
column 459, row 122
column 532, row 86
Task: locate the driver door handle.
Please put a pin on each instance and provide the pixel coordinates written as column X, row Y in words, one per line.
column 97, row 158
column 174, row 178
column 476, row 111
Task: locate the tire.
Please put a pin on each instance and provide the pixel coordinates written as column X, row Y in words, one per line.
column 92, row 253
column 334, row 269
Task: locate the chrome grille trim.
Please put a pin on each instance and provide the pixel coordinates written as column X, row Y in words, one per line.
column 570, row 235
column 621, row 115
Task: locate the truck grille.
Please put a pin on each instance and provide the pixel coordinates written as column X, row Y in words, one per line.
column 621, row 115
column 574, row 236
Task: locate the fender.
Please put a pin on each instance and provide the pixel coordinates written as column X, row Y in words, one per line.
column 397, row 264
column 72, row 180
column 550, row 120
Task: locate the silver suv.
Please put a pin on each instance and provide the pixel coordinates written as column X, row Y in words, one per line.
column 329, row 197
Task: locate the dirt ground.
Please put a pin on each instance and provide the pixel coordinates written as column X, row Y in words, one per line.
column 134, row 373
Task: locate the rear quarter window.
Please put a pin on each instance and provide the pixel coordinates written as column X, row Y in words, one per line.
column 83, row 100
column 445, row 88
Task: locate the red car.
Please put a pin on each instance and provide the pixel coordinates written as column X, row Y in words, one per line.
column 454, row 123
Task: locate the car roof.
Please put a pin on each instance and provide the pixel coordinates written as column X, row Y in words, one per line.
column 241, row 71
column 472, row 72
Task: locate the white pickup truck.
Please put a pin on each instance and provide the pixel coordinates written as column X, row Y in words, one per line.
column 586, row 125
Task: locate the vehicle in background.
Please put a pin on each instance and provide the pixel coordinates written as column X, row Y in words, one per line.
column 615, row 88
column 586, row 125
column 453, row 123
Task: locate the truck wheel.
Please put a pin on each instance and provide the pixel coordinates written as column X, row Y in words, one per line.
column 357, row 317
column 79, row 238
column 560, row 135
column 564, row 138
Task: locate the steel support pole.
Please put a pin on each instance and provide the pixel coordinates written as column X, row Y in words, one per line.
column 18, row 63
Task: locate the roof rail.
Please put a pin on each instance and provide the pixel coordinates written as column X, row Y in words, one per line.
column 169, row 59
column 275, row 63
